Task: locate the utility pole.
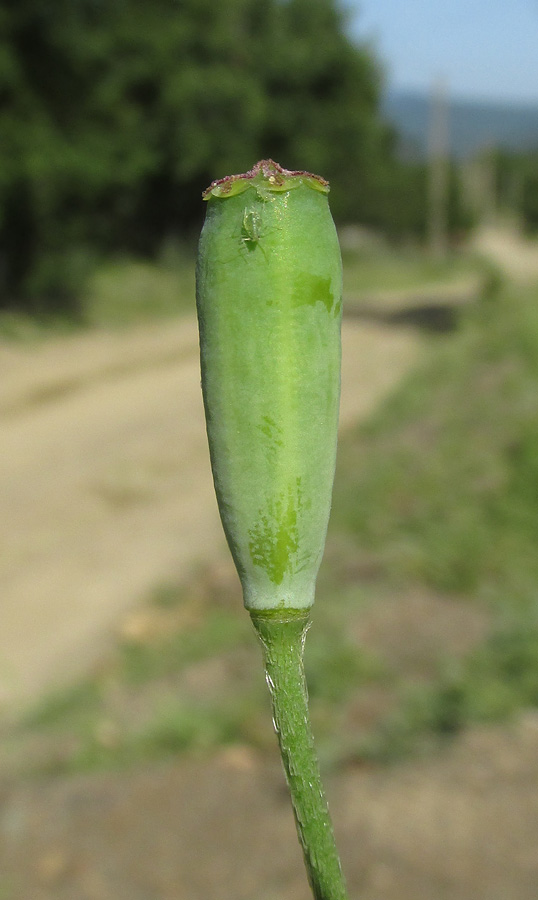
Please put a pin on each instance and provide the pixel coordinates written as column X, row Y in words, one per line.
column 438, row 171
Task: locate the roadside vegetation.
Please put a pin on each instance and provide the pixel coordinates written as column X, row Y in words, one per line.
column 440, row 491
column 126, row 291
column 386, row 269
column 426, row 620
column 118, row 292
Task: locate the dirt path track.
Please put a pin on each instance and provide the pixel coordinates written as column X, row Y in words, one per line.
column 105, row 484
column 515, row 255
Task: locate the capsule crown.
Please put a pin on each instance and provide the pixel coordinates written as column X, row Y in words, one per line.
column 265, row 176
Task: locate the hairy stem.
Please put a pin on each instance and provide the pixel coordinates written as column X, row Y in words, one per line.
column 283, row 635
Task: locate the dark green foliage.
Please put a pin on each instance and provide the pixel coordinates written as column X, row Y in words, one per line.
column 529, row 199
column 398, row 202
column 517, row 186
column 114, row 116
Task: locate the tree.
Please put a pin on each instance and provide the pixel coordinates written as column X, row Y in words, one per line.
column 115, row 115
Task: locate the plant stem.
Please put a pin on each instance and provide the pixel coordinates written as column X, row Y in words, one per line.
column 282, row 633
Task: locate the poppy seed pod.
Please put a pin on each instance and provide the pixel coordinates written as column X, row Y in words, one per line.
column 269, row 302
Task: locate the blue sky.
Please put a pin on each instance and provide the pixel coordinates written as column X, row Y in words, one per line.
column 483, row 49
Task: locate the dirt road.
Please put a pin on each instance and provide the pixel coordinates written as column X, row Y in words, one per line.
column 515, row 255
column 105, row 485
column 105, row 488
column 461, row 825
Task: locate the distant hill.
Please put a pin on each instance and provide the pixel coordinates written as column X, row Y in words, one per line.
column 472, row 125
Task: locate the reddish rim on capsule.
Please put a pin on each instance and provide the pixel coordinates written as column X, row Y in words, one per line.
column 275, row 175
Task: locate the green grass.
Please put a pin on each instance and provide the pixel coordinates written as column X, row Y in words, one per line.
column 157, row 693
column 127, row 291
column 20, row 327
column 440, row 490
column 371, row 271
column 190, row 681
column 175, row 727
column 115, row 293
column 495, row 682
column 123, row 291
column 442, row 485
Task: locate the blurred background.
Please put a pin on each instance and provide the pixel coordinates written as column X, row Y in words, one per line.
column 137, row 758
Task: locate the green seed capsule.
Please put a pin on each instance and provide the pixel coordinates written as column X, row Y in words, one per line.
column 269, row 300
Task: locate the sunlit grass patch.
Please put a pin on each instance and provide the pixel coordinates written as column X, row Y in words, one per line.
column 123, row 291
column 130, row 291
column 391, row 269
column 440, row 490
column 118, row 292
column 495, row 682
column 441, row 485
column 185, row 678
